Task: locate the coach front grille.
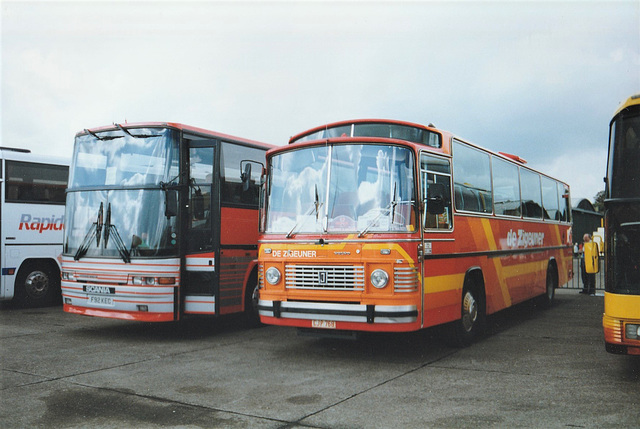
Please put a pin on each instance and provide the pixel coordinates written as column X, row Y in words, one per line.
column 324, row 277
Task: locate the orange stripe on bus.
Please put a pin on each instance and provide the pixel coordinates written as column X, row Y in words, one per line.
column 486, row 226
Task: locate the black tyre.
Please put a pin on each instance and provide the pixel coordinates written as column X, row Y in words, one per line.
column 471, row 324
column 551, row 284
column 37, row 285
column 251, row 302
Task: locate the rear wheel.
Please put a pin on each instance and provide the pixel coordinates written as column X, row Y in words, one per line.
column 37, row 285
column 551, row 285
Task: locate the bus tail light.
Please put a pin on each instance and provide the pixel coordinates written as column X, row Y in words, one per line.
column 166, row 280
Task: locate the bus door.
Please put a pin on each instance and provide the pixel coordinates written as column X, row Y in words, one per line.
column 199, row 284
column 238, row 223
column 437, row 226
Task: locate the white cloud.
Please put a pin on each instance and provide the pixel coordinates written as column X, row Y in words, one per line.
column 539, row 79
column 583, row 171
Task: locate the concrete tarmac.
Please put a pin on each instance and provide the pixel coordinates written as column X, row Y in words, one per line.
column 535, row 368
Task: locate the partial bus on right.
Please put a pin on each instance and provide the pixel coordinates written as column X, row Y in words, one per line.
column 621, row 319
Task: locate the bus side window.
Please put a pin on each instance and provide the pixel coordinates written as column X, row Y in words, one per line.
column 36, row 183
column 531, row 192
column 232, row 187
column 200, row 182
column 472, row 171
column 436, row 171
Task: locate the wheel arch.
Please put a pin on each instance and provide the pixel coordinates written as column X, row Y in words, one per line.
column 52, row 263
column 250, row 277
column 476, row 277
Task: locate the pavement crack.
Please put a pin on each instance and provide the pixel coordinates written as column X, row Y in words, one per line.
column 370, row 388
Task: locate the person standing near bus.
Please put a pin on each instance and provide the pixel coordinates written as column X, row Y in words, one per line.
column 589, row 265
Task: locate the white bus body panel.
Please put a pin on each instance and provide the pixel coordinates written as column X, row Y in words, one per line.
column 28, row 231
column 106, row 284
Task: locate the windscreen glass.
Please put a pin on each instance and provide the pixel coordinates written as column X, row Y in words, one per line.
column 116, row 158
column 343, row 188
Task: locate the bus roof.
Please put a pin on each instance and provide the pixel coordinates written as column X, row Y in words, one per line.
column 447, row 137
column 631, row 101
column 175, row 125
column 297, row 137
column 25, row 155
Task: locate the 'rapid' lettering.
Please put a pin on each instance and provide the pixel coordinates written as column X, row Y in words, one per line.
column 40, row 224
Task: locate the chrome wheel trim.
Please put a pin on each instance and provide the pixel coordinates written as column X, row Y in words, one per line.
column 469, row 311
column 36, row 284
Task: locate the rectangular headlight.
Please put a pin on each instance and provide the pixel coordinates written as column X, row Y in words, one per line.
column 632, row 331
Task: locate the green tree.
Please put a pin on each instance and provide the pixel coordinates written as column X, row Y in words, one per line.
column 598, row 202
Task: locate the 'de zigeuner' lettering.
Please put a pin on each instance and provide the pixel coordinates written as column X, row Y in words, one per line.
column 522, row 238
column 294, row 253
column 34, row 223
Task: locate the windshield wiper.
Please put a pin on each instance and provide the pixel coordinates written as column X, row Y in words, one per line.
column 94, row 232
column 135, row 136
column 105, row 138
column 120, row 246
column 390, row 208
column 315, row 207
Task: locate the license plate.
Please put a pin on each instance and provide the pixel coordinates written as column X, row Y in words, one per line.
column 101, row 300
column 323, row 324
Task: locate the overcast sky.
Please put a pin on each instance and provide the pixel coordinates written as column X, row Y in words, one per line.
column 537, row 79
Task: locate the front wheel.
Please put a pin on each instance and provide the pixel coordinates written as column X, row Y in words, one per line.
column 470, row 326
column 36, row 285
column 251, row 303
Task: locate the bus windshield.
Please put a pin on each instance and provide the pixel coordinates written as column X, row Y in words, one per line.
column 143, row 156
column 352, row 188
column 116, row 202
column 623, row 227
column 624, row 156
column 133, row 221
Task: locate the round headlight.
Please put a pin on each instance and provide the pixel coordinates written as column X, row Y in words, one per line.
column 273, row 276
column 379, row 278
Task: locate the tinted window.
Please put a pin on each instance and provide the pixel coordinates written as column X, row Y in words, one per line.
column 506, row 188
column 232, row 189
column 36, row 183
column 565, row 203
column 400, row 132
column 201, row 179
column 381, row 129
column 550, row 199
column 624, row 156
column 530, row 190
column 472, row 179
column 436, row 170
